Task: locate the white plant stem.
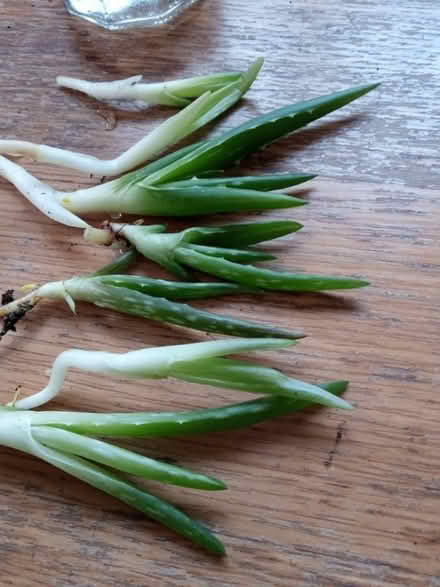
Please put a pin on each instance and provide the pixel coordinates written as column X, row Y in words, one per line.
column 111, row 197
column 41, row 195
column 175, row 92
column 16, row 432
column 52, row 290
column 55, row 204
column 63, row 207
column 130, row 88
column 167, row 134
column 123, row 89
column 144, row 363
column 150, row 241
column 106, row 198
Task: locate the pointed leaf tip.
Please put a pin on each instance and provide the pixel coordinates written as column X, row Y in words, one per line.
column 329, row 399
column 342, row 403
column 250, row 75
column 365, row 88
column 362, row 283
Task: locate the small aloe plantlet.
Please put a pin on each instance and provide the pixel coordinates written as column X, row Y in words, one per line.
column 216, row 99
column 227, row 241
column 178, row 93
column 176, row 184
column 144, row 297
column 66, row 440
column 197, row 248
column 201, row 362
column 82, row 457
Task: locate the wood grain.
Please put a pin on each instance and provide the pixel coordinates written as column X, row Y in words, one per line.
column 324, row 498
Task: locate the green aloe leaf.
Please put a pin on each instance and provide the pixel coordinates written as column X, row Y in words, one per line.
column 174, row 290
column 236, row 255
column 152, row 506
column 129, row 301
column 151, row 424
column 120, row 264
column 262, row 183
column 264, row 278
column 244, row 376
column 244, row 234
column 194, row 200
column 220, row 152
column 123, row 460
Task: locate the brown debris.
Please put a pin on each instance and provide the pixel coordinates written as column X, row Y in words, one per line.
column 329, row 461
column 11, row 319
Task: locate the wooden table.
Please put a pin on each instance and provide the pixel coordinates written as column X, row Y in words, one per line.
column 323, row 498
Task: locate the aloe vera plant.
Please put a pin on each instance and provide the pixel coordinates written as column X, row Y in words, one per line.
column 215, row 94
column 174, row 185
column 221, row 152
column 197, row 248
column 226, row 241
column 77, row 456
column 144, row 297
column 197, row 362
column 66, row 441
column 178, row 93
column 183, row 183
